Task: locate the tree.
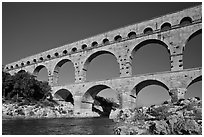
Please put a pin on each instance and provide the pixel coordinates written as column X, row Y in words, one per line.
column 7, row 83
column 24, row 85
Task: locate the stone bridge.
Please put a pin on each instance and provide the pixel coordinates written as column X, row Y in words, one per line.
column 172, row 31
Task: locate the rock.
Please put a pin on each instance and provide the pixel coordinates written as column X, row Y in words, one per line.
column 114, row 113
column 183, row 117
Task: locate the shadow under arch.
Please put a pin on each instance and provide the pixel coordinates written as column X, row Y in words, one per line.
column 150, row 41
column 37, row 69
column 146, row 83
column 96, row 54
column 194, row 88
column 21, row 71
column 58, row 66
column 158, row 92
column 93, row 91
column 90, row 101
column 199, row 78
column 194, row 34
column 64, row 95
column 192, row 50
column 156, row 54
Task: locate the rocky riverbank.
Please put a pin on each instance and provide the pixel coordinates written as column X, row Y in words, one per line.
column 40, row 110
column 180, row 118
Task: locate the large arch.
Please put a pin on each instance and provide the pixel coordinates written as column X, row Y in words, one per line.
column 192, row 50
column 89, row 97
column 108, row 60
column 199, row 78
column 37, row 70
column 149, row 56
column 158, row 89
column 64, row 95
column 194, row 88
column 68, row 73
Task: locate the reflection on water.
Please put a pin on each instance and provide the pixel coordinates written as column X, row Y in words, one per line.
column 62, row 126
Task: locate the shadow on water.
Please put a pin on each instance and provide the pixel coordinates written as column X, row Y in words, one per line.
column 60, row 126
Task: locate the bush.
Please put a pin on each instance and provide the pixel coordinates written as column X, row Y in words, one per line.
column 23, row 85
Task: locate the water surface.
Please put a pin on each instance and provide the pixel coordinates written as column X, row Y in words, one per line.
column 61, row 126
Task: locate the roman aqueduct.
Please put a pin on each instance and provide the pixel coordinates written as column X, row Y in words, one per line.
column 172, row 31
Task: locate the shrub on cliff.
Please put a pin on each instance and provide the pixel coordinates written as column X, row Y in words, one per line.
column 23, row 85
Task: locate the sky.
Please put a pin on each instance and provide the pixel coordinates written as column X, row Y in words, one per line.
column 31, row 28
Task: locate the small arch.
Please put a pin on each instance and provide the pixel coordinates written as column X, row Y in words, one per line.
column 7, row 68
column 185, row 21
column 65, row 52
column 118, row 38
column 21, row 71
column 28, row 62
column 34, row 60
column 11, row 67
column 16, row 65
column 74, row 49
column 84, row 46
column 48, row 56
column 56, row 54
column 41, row 58
column 105, row 41
column 22, row 64
column 148, row 31
column 64, row 95
column 94, row 44
column 165, row 26
column 132, row 35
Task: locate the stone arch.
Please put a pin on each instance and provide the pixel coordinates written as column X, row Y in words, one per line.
column 192, row 35
column 194, row 88
column 106, row 41
column 185, row 21
column 117, row 38
column 145, row 83
column 131, row 34
column 37, row 69
column 90, row 94
column 94, row 44
column 192, row 50
column 84, row 46
column 64, row 95
column 196, row 79
column 144, row 95
column 149, row 41
column 93, row 56
column 148, row 31
column 165, row 26
column 57, row 68
column 146, row 42
column 20, row 71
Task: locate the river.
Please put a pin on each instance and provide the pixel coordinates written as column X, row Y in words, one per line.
column 60, row 126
